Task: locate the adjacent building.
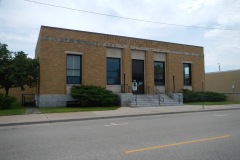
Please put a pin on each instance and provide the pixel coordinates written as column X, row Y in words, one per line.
column 227, row 82
column 71, row 57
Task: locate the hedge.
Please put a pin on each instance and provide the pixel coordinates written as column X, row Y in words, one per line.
column 6, row 101
column 190, row 96
column 88, row 95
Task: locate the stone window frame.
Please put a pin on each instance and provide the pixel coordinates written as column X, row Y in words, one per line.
column 164, row 76
column 189, row 82
column 80, row 54
column 119, row 72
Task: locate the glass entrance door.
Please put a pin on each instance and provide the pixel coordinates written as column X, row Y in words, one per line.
column 138, row 75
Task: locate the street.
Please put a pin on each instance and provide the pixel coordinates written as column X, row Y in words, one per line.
column 186, row 136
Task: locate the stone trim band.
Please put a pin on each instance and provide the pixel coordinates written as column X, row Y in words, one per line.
column 67, row 40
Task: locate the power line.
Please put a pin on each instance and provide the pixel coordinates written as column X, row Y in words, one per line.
column 128, row 18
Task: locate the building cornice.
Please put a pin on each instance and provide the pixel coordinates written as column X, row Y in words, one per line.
column 112, row 45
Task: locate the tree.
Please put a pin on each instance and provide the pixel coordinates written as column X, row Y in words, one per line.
column 17, row 70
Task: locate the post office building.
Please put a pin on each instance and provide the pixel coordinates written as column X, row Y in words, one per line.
column 124, row 65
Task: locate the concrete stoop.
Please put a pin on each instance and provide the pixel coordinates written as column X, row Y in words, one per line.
column 153, row 101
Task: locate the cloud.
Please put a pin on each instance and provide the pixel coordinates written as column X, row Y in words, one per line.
column 223, row 46
column 18, row 42
column 21, row 21
column 196, row 5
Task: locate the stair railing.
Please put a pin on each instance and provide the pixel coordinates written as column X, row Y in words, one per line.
column 125, row 88
column 155, row 94
column 176, row 96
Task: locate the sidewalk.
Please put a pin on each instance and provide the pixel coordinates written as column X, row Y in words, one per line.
column 119, row 113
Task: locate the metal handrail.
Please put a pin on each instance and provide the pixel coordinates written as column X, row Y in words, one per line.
column 155, row 94
column 180, row 97
column 124, row 87
column 129, row 88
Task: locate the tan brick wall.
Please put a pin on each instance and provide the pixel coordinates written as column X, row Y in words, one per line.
column 198, row 74
column 17, row 92
column 232, row 96
column 94, row 66
column 127, row 67
column 53, row 66
column 149, row 72
column 53, row 44
column 222, row 81
column 95, row 37
column 175, row 67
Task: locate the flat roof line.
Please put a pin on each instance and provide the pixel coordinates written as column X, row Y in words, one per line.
column 117, row 36
column 224, row 71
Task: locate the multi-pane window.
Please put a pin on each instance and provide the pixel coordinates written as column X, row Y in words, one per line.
column 187, row 74
column 73, row 69
column 113, row 71
column 159, row 73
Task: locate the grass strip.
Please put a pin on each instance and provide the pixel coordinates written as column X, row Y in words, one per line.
column 16, row 109
column 213, row 103
column 75, row 109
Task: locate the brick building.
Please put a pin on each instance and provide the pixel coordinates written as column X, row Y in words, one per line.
column 227, row 82
column 71, row 57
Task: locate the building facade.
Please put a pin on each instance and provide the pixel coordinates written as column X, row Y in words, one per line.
column 227, row 82
column 71, row 57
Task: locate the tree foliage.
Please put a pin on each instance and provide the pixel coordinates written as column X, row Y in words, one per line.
column 16, row 69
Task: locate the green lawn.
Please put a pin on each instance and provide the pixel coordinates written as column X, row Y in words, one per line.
column 75, row 109
column 213, row 103
column 16, row 109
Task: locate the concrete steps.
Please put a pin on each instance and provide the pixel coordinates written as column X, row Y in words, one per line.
column 153, row 101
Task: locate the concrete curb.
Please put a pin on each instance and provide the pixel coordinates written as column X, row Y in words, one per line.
column 110, row 117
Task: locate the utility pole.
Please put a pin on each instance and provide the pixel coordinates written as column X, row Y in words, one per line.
column 174, row 83
column 219, row 67
column 203, row 92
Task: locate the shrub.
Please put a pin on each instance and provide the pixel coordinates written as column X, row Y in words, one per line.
column 190, row 96
column 214, row 97
column 6, row 101
column 94, row 96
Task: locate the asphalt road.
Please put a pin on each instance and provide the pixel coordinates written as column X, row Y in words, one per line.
column 190, row 136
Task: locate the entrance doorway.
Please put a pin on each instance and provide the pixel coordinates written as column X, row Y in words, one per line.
column 138, row 74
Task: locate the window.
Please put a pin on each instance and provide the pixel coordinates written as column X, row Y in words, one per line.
column 187, row 74
column 73, row 69
column 159, row 73
column 113, row 71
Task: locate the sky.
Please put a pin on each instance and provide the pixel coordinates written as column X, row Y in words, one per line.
column 219, row 22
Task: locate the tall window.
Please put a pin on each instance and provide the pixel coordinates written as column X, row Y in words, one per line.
column 113, row 71
column 73, row 69
column 159, row 73
column 187, row 78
